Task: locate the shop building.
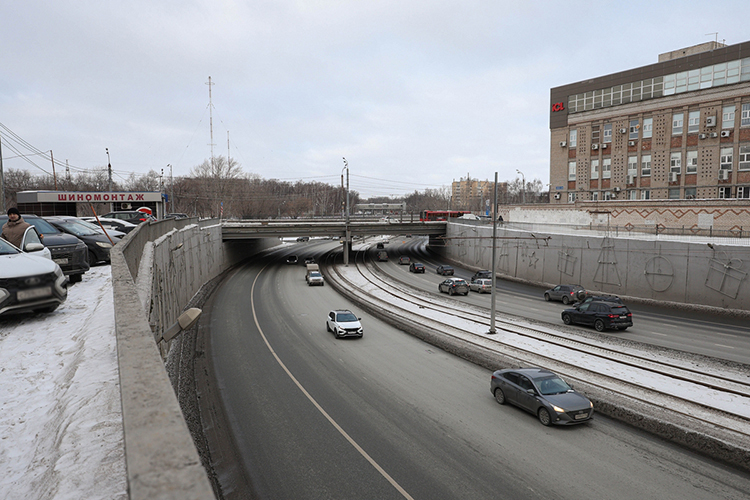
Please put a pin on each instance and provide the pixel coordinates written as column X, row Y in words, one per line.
column 677, row 129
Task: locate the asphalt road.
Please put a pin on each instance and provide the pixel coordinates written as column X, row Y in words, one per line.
column 715, row 335
column 389, row 417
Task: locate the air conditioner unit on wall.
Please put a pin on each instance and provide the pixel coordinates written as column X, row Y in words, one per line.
column 563, row 144
column 594, row 146
column 672, row 176
column 702, row 136
column 617, row 190
column 725, row 133
column 126, row 206
column 714, row 135
column 623, row 131
column 604, row 146
column 557, row 196
column 723, row 175
column 710, row 121
column 631, row 143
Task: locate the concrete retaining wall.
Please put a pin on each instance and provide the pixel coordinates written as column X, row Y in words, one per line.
column 670, row 271
column 156, row 270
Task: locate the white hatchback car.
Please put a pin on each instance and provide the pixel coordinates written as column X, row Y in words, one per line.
column 481, row 286
column 30, row 281
column 343, row 323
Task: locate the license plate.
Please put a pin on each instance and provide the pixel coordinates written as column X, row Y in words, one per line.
column 581, row 416
column 60, row 262
column 623, row 317
column 34, row 293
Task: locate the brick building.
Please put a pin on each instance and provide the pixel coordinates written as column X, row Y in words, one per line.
column 677, row 129
column 471, row 194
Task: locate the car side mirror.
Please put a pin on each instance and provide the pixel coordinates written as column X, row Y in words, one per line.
column 33, row 247
column 531, row 392
column 359, row 319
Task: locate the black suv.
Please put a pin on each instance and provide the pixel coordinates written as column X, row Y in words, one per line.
column 70, row 253
column 483, row 274
column 599, row 314
column 416, row 267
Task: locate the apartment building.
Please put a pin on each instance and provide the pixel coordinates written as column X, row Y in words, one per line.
column 676, row 129
column 471, row 194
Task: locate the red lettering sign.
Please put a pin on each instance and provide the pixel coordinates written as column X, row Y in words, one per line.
column 558, row 106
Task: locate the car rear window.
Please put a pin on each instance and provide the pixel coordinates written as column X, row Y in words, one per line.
column 619, row 309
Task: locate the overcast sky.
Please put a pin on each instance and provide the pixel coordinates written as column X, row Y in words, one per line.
column 414, row 94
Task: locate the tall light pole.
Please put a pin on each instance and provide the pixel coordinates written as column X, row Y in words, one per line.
column 346, row 223
column 494, row 259
column 109, row 187
column 523, row 191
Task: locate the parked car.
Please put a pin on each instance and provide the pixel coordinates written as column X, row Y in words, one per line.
column 416, row 267
column 97, row 242
column 453, row 286
column 29, row 281
column 481, row 286
column 303, row 238
column 542, row 393
column 70, row 253
column 403, row 260
column 291, row 259
column 112, row 224
column 96, row 227
column 132, row 216
column 176, row 216
column 600, row 315
column 482, row 274
column 445, row 270
column 344, row 323
column 565, row 293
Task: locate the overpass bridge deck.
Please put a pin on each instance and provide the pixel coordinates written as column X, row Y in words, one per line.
column 249, row 229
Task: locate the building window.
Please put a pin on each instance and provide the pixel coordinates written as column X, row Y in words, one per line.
column 573, row 138
column 745, row 115
column 646, row 194
column 571, row 197
column 607, row 137
column 633, row 166
column 674, row 194
column 609, row 195
column 743, row 192
column 607, row 168
column 632, row 194
column 595, row 195
column 690, row 193
column 725, row 192
column 646, row 166
column 675, row 163
column 691, row 162
column 634, row 126
column 694, row 122
column 648, row 127
column 594, row 169
column 677, row 123
column 595, row 134
column 744, row 163
column 571, row 171
column 727, row 117
column 726, row 160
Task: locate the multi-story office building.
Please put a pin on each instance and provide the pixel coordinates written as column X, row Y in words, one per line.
column 471, row 194
column 677, row 129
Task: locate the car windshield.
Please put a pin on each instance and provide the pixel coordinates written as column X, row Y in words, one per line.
column 78, row 229
column 7, row 249
column 42, row 226
column 315, row 275
column 552, row 385
column 346, row 317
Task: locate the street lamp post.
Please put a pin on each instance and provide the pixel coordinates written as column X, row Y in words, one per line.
column 109, row 186
column 523, row 187
column 493, row 330
column 346, row 223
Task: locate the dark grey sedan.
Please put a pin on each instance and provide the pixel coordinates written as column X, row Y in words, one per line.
column 542, row 393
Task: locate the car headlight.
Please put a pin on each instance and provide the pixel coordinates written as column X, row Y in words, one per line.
column 558, row 409
column 104, row 244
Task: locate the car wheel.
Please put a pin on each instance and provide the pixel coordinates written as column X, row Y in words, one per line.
column 92, row 258
column 467, row 293
column 566, row 319
column 500, row 396
column 599, row 325
column 565, row 300
column 75, row 278
column 544, row 417
column 328, row 328
column 450, row 291
column 546, row 297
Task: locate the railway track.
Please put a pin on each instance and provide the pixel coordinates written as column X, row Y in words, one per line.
column 715, row 393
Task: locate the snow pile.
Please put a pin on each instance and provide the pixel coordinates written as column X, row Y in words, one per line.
column 60, row 417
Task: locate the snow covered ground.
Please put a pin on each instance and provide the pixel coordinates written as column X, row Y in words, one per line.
column 61, row 431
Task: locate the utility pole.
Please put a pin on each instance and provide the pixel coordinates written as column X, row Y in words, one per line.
column 346, row 223
column 171, row 189
column 494, row 259
column 54, row 174
column 2, row 178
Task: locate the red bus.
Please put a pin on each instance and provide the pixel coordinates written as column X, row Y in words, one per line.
column 427, row 215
